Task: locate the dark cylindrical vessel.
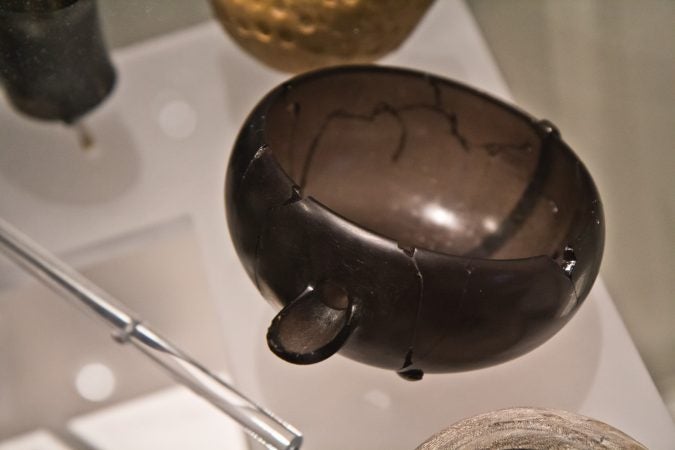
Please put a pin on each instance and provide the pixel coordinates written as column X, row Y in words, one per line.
column 53, row 61
column 410, row 222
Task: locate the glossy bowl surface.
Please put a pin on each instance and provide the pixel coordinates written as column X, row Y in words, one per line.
column 409, row 221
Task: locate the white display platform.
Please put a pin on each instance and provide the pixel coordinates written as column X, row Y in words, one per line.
column 162, row 143
column 35, row 440
column 171, row 419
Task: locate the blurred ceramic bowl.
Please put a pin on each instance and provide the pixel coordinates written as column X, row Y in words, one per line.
column 299, row 35
column 530, row 428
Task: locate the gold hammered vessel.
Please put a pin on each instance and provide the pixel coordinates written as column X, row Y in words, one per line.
column 300, row 35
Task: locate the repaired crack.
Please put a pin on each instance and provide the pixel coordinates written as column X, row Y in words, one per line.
column 407, row 370
column 382, row 108
column 397, row 113
column 296, row 196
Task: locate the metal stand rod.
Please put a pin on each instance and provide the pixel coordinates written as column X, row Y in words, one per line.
column 269, row 430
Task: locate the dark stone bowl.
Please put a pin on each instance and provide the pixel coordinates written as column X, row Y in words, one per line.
column 409, row 221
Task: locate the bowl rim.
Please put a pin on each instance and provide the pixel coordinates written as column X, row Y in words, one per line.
column 543, row 128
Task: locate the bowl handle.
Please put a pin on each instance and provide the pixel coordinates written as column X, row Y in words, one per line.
column 314, row 326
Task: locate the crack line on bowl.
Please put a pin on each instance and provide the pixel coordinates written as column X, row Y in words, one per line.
column 397, row 113
column 379, row 109
column 410, row 251
column 296, row 196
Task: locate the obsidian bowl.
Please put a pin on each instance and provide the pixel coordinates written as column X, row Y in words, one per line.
column 409, row 221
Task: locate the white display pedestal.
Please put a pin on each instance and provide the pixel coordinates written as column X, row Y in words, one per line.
column 163, row 141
